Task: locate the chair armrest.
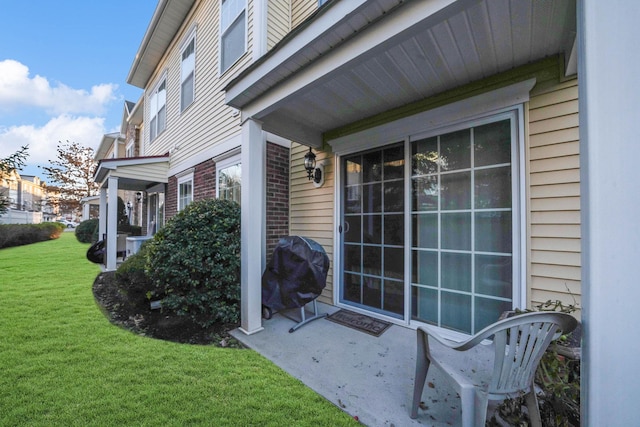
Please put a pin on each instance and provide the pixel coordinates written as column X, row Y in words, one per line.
column 454, row 345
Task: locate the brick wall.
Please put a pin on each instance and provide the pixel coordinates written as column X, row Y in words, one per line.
column 277, row 195
column 277, row 177
column 204, row 181
column 171, row 198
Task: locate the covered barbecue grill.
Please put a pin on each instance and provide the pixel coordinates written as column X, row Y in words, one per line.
column 295, row 276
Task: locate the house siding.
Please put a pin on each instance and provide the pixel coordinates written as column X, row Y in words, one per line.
column 554, row 195
column 301, row 10
column 312, row 208
column 278, row 21
column 207, row 121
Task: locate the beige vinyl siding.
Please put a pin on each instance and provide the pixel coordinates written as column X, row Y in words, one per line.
column 152, row 172
column 278, row 21
column 554, row 266
column 301, row 10
column 311, row 208
column 208, row 121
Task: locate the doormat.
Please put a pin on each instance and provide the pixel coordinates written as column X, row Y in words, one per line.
column 359, row 322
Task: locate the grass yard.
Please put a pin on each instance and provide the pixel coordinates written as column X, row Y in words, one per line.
column 63, row 364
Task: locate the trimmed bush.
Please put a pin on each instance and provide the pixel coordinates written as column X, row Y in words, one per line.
column 132, row 279
column 87, row 231
column 194, row 262
column 25, row 234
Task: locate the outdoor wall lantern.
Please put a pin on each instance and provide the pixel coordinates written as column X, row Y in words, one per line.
column 139, row 196
column 315, row 172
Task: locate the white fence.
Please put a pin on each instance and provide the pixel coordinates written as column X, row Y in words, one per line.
column 13, row 216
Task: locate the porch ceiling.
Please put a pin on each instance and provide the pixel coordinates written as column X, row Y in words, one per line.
column 358, row 59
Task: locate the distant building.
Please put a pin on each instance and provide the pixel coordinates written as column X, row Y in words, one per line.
column 28, row 203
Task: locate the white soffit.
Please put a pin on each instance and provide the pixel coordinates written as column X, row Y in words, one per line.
column 417, row 50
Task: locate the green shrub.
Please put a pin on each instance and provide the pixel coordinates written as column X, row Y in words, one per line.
column 132, row 279
column 25, row 234
column 194, row 262
column 87, row 231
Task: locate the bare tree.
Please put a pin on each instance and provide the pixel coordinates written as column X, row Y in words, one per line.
column 72, row 173
column 7, row 166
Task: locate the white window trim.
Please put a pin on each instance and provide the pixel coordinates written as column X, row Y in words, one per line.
column 461, row 114
column 224, row 162
column 187, row 40
column 154, row 91
column 188, row 177
column 221, row 33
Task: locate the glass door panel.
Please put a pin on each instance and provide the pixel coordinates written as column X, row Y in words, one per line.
column 373, row 231
column 462, row 233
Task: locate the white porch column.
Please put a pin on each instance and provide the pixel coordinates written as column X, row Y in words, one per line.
column 609, row 73
column 112, row 224
column 253, row 217
column 85, row 211
column 102, row 222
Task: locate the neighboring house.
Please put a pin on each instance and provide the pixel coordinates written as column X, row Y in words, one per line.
column 27, row 196
column 449, row 137
column 189, row 139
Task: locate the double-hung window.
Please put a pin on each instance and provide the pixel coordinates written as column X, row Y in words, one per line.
column 185, row 191
column 233, row 32
column 187, row 74
column 158, row 109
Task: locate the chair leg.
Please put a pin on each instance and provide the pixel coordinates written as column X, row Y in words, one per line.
column 534, row 410
column 422, row 367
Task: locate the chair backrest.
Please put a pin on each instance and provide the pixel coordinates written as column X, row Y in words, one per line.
column 520, row 343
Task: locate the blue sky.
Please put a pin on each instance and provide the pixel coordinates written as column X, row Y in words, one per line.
column 63, row 72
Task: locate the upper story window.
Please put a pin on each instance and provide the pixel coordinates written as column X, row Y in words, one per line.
column 158, row 109
column 187, row 74
column 233, row 32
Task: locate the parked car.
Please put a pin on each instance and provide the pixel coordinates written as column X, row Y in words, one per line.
column 67, row 223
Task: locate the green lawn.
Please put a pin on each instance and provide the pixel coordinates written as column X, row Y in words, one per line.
column 62, row 363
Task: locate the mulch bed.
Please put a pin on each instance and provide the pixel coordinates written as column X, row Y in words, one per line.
column 140, row 319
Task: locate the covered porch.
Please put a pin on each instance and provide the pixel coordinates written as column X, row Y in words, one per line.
column 136, row 174
column 362, row 75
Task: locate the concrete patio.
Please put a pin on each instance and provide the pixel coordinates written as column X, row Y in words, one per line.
column 368, row 377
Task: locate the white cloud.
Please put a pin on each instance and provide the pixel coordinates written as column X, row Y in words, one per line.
column 18, row 90
column 43, row 141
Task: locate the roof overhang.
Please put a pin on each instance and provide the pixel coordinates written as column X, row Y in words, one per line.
column 133, row 173
column 356, row 59
column 107, row 143
column 165, row 23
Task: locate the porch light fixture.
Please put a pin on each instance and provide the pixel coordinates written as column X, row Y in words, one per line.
column 310, row 164
column 315, row 172
column 139, row 196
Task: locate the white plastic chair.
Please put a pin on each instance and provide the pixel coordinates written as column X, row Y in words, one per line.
column 518, row 345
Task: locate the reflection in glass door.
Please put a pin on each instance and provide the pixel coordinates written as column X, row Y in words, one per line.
column 462, row 234
column 373, row 230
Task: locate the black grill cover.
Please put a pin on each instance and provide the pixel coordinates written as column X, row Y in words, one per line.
column 296, row 274
column 96, row 252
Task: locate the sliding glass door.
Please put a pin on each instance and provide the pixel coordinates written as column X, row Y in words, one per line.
column 454, row 191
